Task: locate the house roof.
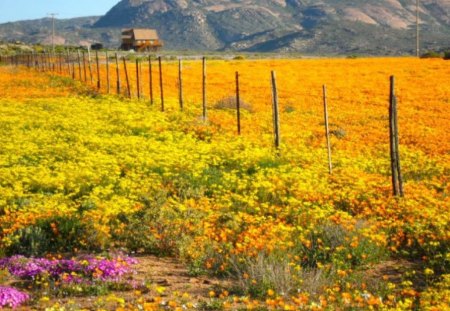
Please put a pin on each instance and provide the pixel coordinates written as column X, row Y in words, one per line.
column 142, row 34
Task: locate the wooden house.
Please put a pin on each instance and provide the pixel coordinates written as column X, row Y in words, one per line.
column 140, row 39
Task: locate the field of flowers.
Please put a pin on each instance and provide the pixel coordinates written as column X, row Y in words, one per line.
column 87, row 177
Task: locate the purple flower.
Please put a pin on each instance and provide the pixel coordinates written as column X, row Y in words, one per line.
column 86, row 267
column 26, row 268
column 11, row 297
column 110, row 269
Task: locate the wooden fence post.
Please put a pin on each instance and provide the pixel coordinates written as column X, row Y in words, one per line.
column 204, row 89
column 41, row 61
column 238, row 104
column 276, row 116
column 44, row 62
column 397, row 178
column 90, row 66
column 69, row 74
column 60, row 63
column 108, row 81
column 84, row 67
column 161, row 87
column 126, row 76
column 79, row 66
column 73, row 68
column 97, row 61
column 52, row 61
column 327, row 128
column 117, row 75
column 180, row 83
column 138, row 82
column 150, row 78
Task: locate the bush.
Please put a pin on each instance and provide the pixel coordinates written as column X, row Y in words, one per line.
column 158, row 228
column 51, row 235
column 230, row 103
column 447, row 55
column 431, row 54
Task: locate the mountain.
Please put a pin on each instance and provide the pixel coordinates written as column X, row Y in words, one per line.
column 309, row 26
column 75, row 31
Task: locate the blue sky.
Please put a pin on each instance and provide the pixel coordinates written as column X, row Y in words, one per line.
column 13, row 10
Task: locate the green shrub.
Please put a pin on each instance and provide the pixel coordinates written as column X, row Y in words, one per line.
column 159, row 228
column 230, row 103
column 447, row 55
column 51, row 235
column 431, row 54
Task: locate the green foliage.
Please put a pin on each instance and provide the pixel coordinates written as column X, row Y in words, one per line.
column 211, row 305
column 447, row 55
column 333, row 244
column 431, row 54
column 52, row 235
column 230, row 103
column 160, row 227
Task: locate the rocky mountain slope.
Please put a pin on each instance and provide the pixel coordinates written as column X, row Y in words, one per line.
column 311, row 26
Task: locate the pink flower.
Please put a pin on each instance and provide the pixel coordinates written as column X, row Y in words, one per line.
column 11, row 297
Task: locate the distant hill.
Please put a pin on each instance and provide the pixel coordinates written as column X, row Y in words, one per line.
column 75, row 31
column 309, row 26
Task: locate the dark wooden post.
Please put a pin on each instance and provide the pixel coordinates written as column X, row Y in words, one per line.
column 204, row 89
column 397, row 178
column 79, row 66
column 53, row 65
column 31, row 59
column 84, row 67
column 180, row 84
column 37, row 60
column 90, row 66
column 126, row 76
column 276, row 111
column 238, row 104
column 161, row 86
column 68, row 64
column 108, row 83
column 48, row 66
column 97, row 61
column 60, row 63
column 73, row 67
column 392, row 138
column 150, row 78
column 397, row 149
column 327, row 128
column 117, row 75
column 43, row 62
column 46, row 62
column 49, row 61
column 138, row 82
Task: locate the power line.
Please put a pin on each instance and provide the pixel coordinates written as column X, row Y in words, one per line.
column 52, row 15
column 417, row 30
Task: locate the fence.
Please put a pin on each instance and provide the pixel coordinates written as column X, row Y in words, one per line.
column 144, row 77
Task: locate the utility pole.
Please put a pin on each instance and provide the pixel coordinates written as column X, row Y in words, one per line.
column 417, row 30
column 52, row 15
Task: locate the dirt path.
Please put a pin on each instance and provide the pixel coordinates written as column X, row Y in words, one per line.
column 169, row 273
column 157, row 279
